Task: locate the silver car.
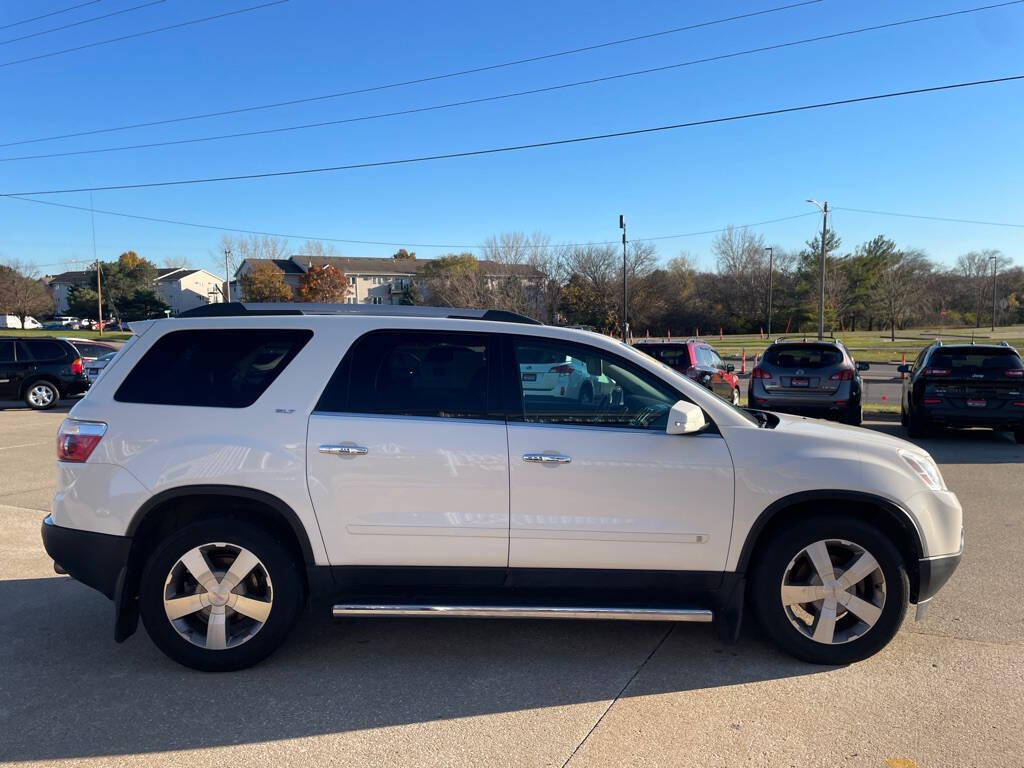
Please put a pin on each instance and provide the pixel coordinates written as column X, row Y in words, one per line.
column 811, row 378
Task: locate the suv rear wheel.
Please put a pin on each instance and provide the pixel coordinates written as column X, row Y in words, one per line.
column 830, row 590
column 220, row 595
column 42, row 394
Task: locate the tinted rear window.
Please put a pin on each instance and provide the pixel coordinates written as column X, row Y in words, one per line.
column 976, row 360
column 42, row 350
column 215, row 369
column 674, row 357
column 802, row 356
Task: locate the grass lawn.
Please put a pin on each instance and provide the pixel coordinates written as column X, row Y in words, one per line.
column 83, row 334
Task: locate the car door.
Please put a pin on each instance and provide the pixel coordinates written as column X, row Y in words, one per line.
column 407, row 458
column 10, row 378
column 601, row 485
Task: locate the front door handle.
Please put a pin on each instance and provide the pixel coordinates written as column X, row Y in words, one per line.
column 344, row 450
column 546, row 458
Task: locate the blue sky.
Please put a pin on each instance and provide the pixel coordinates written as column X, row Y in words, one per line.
column 958, row 154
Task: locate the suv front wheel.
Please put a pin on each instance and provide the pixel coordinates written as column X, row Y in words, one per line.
column 220, row 595
column 830, row 590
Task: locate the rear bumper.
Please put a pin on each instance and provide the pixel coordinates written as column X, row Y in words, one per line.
column 1002, row 418
column 78, row 385
column 95, row 559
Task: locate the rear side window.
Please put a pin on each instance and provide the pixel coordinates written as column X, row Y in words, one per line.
column 44, row 350
column 415, row 373
column 6, row 351
column 803, row 356
column 215, row 368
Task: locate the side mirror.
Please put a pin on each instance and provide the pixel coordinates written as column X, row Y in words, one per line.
column 684, row 419
column 863, row 366
column 905, row 368
column 729, row 367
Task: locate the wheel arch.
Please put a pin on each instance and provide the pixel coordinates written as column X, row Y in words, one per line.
column 172, row 508
column 889, row 516
column 37, row 377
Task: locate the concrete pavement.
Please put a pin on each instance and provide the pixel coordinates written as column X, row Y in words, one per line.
column 949, row 691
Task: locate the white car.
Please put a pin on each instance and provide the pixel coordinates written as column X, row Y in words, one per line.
column 13, row 321
column 547, row 373
column 389, row 459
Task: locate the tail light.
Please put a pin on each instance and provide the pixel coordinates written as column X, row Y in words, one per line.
column 76, row 440
column 933, row 401
column 846, row 374
column 77, row 367
column 1016, row 373
column 760, row 373
column 1018, row 404
column 562, row 370
column 937, row 371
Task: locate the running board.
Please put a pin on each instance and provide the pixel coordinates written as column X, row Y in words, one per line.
column 523, row 612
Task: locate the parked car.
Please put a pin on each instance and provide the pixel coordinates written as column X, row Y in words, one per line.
column 64, row 322
column 40, row 371
column 13, row 321
column 90, row 349
column 812, row 378
column 699, row 361
column 547, row 373
column 93, row 368
column 964, row 385
column 388, row 458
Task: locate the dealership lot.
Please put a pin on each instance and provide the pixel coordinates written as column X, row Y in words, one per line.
column 946, row 692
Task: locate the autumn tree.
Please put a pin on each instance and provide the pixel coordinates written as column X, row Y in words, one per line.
column 264, row 282
column 403, row 255
column 456, row 280
column 21, row 292
column 323, row 284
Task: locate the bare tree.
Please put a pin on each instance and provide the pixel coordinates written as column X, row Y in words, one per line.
column 976, row 268
column 742, row 263
column 523, row 277
column 899, row 287
column 22, row 293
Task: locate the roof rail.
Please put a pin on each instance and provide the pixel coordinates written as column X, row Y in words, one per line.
column 1004, row 343
column 240, row 309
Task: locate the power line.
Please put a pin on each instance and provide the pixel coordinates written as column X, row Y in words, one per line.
column 83, row 21
column 403, row 244
column 46, row 15
column 930, row 218
column 143, row 33
column 521, row 147
column 416, row 81
column 530, row 92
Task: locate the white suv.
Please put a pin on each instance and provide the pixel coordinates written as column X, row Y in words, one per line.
column 232, row 464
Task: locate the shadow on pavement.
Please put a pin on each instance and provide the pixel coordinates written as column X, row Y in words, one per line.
column 17, row 405
column 67, row 691
column 962, row 446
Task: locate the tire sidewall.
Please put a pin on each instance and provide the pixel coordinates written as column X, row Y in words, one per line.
column 44, row 383
column 766, row 583
column 285, row 575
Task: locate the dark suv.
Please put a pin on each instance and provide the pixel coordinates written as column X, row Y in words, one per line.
column 40, row 371
column 813, row 378
column 964, row 385
column 699, row 361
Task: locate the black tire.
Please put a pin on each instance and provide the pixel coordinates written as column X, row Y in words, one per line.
column 903, row 417
column 766, row 579
column 853, row 415
column 41, row 395
column 1019, row 436
column 288, row 595
column 915, row 424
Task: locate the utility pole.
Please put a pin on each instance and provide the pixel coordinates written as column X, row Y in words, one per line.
column 99, row 295
column 625, row 298
column 993, row 260
column 771, row 271
column 821, row 296
column 227, row 274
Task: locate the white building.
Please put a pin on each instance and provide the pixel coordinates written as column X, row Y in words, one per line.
column 185, row 289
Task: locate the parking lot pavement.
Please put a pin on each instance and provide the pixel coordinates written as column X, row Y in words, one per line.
column 949, row 691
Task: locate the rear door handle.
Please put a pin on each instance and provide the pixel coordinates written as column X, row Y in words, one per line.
column 546, row 458
column 344, row 450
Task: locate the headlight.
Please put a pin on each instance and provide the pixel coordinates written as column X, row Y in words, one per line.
column 925, row 468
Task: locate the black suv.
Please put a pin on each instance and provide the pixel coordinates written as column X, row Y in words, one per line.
column 964, row 385
column 40, row 371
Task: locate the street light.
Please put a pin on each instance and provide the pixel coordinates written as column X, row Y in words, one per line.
column 771, row 270
column 821, row 298
column 993, row 260
column 625, row 305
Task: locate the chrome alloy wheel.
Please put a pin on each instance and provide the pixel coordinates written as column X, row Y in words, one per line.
column 833, row 591
column 41, row 395
column 217, row 596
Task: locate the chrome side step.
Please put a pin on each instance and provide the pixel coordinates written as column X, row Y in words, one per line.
column 523, row 612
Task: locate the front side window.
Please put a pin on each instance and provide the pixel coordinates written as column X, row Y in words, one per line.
column 414, row 373
column 565, row 383
column 212, row 368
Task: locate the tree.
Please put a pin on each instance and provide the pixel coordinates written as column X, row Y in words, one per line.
column 323, row 284
column 976, row 268
column 82, row 302
column 742, row 263
column 264, row 282
column 898, row 287
column 21, row 292
column 456, row 280
column 403, row 255
column 522, row 271
column 144, row 303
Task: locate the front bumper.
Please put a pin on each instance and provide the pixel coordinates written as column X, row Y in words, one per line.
column 95, row 559
column 934, row 572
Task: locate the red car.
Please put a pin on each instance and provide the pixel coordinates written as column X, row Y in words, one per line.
column 699, row 361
